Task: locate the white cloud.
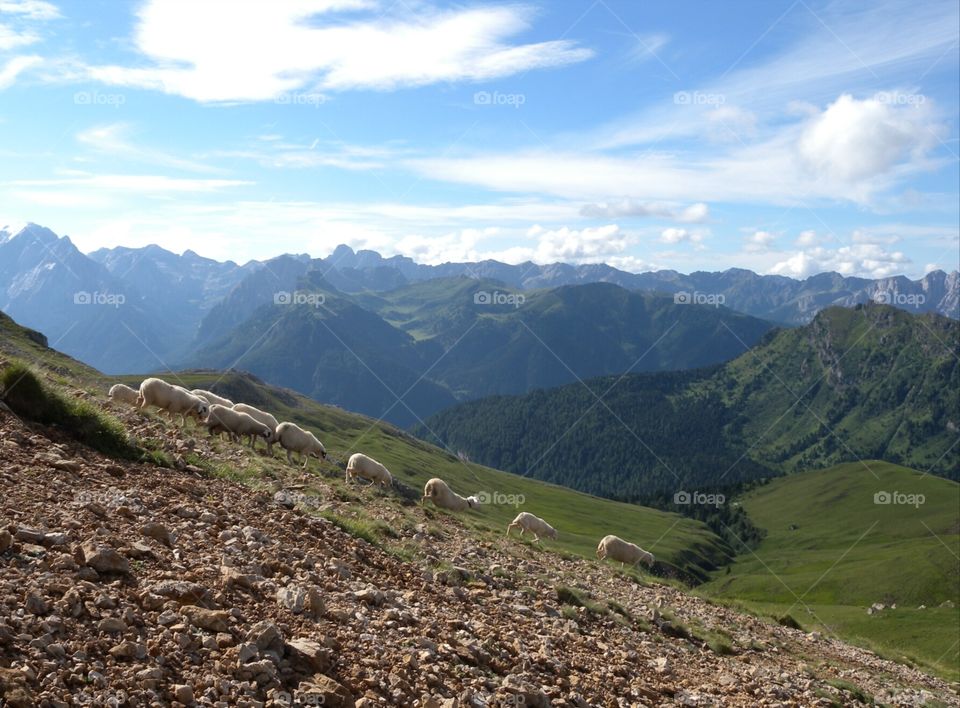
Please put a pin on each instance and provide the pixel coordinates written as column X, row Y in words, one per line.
column 695, row 213
column 14, row 67
column 99, row 192
column 456, row 246
column 812, row 67
column 884, row 145
column 113, row 140
column 11, row 38
column 673, row 235
column 807, row 238
column 30, row 9
column 589, row 245
column 202, row 50
column 731, row 123
column 865, row 260
column 759, row 241
column 854, row 140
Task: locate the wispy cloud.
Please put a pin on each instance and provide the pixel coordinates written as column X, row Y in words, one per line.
column 202, row 51
column 113, row 139
column 12, row 68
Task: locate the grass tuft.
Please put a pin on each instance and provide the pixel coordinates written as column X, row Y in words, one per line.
column 29, row 398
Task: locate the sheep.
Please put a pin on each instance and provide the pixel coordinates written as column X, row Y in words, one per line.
column 359, row 465
column 616, row 548
column 224, row 419
column 442, row 496
column 175, row 400
column 123, row 394
column 534, row 524
column 212, row 397
column 263, row 417
column 293, row 438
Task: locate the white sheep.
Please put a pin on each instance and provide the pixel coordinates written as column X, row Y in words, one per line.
column 123, row 394
column 212, row 397
column 293, row 438
column 616, row 548
column 224, row 419
column 442, row 496
column 263, row 417
column 526, row 521
column 174, row 400
column 359, row 465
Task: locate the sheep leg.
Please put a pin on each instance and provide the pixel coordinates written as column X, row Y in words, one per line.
column 289, row 458
column 306, row 460
column 509, row 526
column 536, row 539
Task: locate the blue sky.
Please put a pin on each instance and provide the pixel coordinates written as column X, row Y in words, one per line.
column 787, row 137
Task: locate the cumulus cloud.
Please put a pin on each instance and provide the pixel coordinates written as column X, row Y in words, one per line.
column 202, row 50
column 675, row 235
column 694, row 213
column 865, row 260
column 807, row 238
column 589, row 245
column 455, row 246
column 859, row 139
column 759, row 241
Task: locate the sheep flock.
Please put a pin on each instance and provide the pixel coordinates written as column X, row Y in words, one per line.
column 220, row 415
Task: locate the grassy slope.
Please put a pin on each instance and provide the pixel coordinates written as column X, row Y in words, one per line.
column 832, row 547
column 581, row 519
column 881, row 381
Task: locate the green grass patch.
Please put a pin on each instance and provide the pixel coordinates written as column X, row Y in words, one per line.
column 358, row 528
column 832, row 550
column 579, row 598
column 31, row 399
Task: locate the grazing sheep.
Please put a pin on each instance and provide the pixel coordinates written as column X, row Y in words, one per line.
column 223, row 419
column 263, row 417
column 359, row 465
column 212, row 397
column 293, row 438
column 445, row 498
column 174, row 400
column 616, row 548
column 123, row 394
column 534, row 524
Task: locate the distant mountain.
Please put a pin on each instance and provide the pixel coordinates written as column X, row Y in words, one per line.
column 443, row 340
column 175, row 305
column 119, row 309
column 183, row 288
column 772, row 297
column 49, row 285
column 871, row 382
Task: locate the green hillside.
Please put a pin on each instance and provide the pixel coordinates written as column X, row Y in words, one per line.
column 581, row 519
column 830, row 552
column 685, row 548
column 447, row 340
column 871, row 382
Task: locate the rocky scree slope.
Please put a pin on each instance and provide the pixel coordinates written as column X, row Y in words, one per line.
column 138, row 585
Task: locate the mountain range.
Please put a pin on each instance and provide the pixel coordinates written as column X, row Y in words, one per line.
column 394, row 338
